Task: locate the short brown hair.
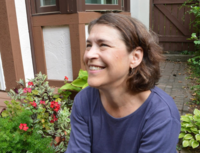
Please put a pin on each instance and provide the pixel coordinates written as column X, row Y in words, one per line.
column 135, row 34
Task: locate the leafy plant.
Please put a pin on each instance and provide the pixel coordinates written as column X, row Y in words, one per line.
column 190, row 129
column 18, row 134
column 76, row 85
column 186, row 52
column 49, row 112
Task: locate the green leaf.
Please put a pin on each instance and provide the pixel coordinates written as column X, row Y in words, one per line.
column 35, row 92
column 185, row 143
column 197, row 42
column 194, row 35
column 68, row 86
column 197, row 112
column 79, row 82
column 82, row 74
column 194, row 144
column 56, row 96
column 194, row 129
column 185, row 118
column 181, row 135
column 188, row 136
column 85, row 85
column 197, row 136
column 5, row 114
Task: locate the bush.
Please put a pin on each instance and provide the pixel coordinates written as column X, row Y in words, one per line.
column 47, row 114
column 190, row 129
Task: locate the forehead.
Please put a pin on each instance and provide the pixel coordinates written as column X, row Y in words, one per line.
column 101, row 31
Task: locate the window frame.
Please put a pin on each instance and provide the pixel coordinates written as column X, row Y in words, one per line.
column 46, row 9
column 96, row 7
column 74, row 6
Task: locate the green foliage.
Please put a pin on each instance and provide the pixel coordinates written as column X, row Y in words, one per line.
column 190, row 129
column 14, row 140
column 186, row 52
column 194, row 63
column 76, row 85
column 195, row 10
column 49, row 111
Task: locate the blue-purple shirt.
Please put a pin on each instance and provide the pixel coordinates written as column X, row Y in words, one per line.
column 153, row 128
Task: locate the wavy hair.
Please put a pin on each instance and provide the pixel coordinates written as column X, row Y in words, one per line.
column 134, row 34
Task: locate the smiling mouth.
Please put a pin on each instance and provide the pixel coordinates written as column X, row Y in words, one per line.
column 95, row 68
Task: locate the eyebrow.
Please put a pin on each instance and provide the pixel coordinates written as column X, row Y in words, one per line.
column 98, row 40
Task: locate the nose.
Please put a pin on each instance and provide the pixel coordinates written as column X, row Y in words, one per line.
column 91, row 53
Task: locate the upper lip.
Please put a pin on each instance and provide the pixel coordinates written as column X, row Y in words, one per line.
column 96, row 65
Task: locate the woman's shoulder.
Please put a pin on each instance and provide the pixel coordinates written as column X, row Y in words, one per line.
column 87, row 93
column 86, row 99
column 162, row 102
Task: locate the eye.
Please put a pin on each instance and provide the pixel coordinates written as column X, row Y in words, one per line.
column 104, row 45
column 88, row 45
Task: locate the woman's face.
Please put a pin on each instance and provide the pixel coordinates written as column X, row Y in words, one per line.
column 106, row 58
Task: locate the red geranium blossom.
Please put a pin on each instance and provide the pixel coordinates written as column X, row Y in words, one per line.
column 30, row 83
column 55, row 105
column 27, row 90
column 52, row 104
column 23, row 127
column 54, row 119
column 33, row 104
column 42, row 102
column 66, row 78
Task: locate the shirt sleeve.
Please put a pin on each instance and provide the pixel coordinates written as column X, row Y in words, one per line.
column 160, row 137
column 79, row 137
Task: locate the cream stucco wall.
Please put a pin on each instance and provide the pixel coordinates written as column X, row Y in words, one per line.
column 58, row 52
column 140, row 10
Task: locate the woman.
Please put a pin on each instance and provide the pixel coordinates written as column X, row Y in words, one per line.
column 122, row 111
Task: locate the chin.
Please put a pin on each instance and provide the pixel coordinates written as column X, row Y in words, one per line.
column 93, row 83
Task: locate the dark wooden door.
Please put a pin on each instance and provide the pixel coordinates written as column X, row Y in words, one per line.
column 171, row 22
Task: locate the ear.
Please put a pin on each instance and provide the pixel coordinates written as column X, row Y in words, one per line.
column 136, row 57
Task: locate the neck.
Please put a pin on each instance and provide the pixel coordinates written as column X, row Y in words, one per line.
column 119, row 102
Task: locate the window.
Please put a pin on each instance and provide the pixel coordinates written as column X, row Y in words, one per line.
column 40, row 7
column 47, row 3
column 114, row 2
column 103, row 5
column 43, row 6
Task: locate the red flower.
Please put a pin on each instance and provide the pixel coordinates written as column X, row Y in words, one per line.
column 33, row 104
column 30, row 83
column 57, row 108
column 52, row 104
column 29, row 90
column 25, row 90
column 42, row 102
column 54, row 119
column 23, row 127
column 55, row 105
column 66, row 78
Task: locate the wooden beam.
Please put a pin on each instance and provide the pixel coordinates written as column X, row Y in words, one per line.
column 10, row 44
column 173, row 39
column 170, row 2
column 55, row 20
column 39, row 50
column 179, row 25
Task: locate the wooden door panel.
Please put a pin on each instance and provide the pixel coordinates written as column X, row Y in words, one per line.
column 172, row 24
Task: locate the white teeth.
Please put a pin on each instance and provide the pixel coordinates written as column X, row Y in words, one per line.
column 95, row 68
